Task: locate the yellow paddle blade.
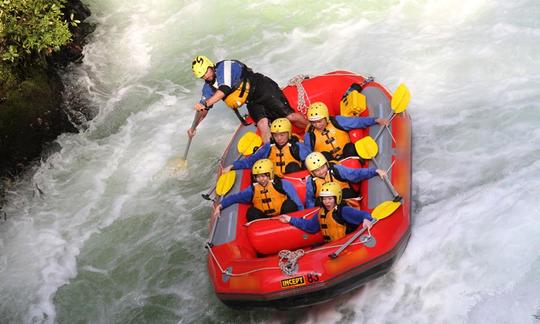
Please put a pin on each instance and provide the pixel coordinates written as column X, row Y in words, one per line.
column 400, row 99
column 385, row 209
column 178, row 165
column 367, row 148
column 225, row 182
column 248, row 142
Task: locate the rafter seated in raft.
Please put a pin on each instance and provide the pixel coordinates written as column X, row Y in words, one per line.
column 285, row 150
column 329, row 135
column 269, row 195
column 334, row 218
column 322, row 172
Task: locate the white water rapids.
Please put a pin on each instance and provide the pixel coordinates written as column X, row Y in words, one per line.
column 114, row 238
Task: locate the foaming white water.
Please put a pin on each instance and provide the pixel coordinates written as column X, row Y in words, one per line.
column 115, row 238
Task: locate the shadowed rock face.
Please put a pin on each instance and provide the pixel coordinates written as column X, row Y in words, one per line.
column 30, row 116
column 31, row 112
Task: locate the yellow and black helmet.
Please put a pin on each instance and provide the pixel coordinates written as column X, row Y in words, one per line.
column 200, row 65
column 317, row 111
column 315, row 160
column 331, row 189
column 263, row 166
column 281, row 125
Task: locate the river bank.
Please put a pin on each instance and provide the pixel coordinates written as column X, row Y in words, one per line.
column 32, row 106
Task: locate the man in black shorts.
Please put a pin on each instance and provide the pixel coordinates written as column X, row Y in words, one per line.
column 236, row 84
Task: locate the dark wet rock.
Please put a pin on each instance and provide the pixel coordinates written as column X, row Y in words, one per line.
column 32, row 107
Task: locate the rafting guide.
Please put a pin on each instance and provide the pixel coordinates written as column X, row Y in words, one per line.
column 236, row 84
column 269, row 195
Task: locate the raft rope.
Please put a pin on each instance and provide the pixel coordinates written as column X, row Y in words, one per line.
column 230, row 273
column 275, row 219
column 296, row 81
column 287, row 261
column 291, row 257
column 303, row 98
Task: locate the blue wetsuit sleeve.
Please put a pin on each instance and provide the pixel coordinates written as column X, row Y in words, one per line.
column 355, row 175
column 354, row 216
column 310, row 195
column 247, row 163
column 245, row 196
column 307, row 142
column 291, row 192
column 303, row 150
column 307, row 225
column 349, row 123
column 207, row 92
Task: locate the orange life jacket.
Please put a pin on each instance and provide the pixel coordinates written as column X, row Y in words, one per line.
column 333, row 227
column 269, row 199
column 239, row 96
column 331, row 176
column 283, row 157
column 331, row 139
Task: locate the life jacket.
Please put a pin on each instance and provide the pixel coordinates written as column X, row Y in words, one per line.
column 283, row 156
column 240, row 91
column 269, row 199
column 333, row 226
column 331, row 176
column 332, row 138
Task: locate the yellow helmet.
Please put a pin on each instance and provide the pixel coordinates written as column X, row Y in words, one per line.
column 331, row 189
column 263, row 166
column 281, row 125
column 315, row 160
column 200, row 65
column 317, row 111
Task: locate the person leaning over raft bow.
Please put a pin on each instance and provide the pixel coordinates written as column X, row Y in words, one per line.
column 329, row 135
column 236, row 84
column 323, row 172
column 285, row 151
column 269, row 194
column 334, row 218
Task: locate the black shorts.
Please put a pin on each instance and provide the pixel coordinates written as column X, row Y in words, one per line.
column 266, row 100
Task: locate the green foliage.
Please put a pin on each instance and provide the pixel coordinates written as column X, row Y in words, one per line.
column 29, row 27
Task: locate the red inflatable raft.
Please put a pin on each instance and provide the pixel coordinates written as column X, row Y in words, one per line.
column 270, row 264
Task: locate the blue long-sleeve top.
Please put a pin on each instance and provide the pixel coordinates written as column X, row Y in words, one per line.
column 350, row 215
column 246, row 196
column 347, row 123
column 349, row 174
column 228, row 75
column 263, row 152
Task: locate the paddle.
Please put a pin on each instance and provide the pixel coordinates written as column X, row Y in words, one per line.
column 399, row 103
column 385, row 209
column 225, row 182
column 182, row 162
column 247, row 143
column 206, row 196
column 367, row 148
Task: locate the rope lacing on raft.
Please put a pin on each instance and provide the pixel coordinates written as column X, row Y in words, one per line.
column 287, row 261
column 229, row 272
column 303, row 99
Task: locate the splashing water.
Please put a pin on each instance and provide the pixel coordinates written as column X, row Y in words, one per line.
column 115, row 238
